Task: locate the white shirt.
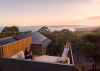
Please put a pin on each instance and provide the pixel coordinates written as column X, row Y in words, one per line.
column 65, row 52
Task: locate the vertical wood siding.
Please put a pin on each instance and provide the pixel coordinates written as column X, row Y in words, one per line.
column 15, row 47
column 1, row 52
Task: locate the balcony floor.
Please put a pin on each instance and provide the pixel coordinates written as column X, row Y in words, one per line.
column 50, row 59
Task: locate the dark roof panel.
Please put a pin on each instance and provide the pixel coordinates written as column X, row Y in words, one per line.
column 36, row 38
column 21, row 36
column 39, row 38
column 46, row 42
column 6, row 40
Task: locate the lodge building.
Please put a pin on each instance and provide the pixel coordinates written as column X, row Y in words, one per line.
column 12, row 54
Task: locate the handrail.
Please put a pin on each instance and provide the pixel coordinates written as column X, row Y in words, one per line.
column 71, row 54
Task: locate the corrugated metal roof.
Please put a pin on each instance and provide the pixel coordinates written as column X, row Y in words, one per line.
column 6, row 40
column 46, row 42
column 12, row 39
column 39, row 38
column 36, row 38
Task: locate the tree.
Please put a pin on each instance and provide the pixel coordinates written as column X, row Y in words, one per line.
column 65, row 31
column 28, row 31
column 56, row 46
column 88, row 43
column 58, row 40
column 43, row 29
column 65, row 34
column 10, row 31
column 92, row 45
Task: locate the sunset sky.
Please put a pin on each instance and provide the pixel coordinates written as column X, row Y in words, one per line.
column 49, row 12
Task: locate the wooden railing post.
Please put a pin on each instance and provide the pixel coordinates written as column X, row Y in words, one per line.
column 82, row 67
column 93, row 68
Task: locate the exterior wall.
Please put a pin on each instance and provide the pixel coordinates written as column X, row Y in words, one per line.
column 9, row 50
column 15, row 47
column 22, row 65
column 37, row 49
column 0, row 51
column 44, row 50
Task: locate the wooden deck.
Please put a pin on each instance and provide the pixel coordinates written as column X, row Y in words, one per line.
column 50, row 59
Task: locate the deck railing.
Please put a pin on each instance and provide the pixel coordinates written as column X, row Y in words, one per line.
column 70, row 55
column 7, row 64
column 28, row 65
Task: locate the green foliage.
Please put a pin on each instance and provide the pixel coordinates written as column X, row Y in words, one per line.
column 91, row 37
column 57, row 42
column 89, row 48
column 43, row 29
column 58, row 38
column 66, row 34
column 10, row 31
column 28, row 32
column 92, row 45
column 88, row 42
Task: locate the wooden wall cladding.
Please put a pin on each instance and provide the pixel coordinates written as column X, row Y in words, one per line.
column 1, row 52
column 18, row 48
column 15, row 47
column 29, row 41
column 9, row 50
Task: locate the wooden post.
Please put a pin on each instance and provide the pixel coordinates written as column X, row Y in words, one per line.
column 93, row 68
column 82, row 67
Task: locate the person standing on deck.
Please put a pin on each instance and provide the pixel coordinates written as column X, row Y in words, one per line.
column 66, row 50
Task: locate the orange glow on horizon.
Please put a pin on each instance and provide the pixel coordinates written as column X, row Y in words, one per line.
column 50, row 22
